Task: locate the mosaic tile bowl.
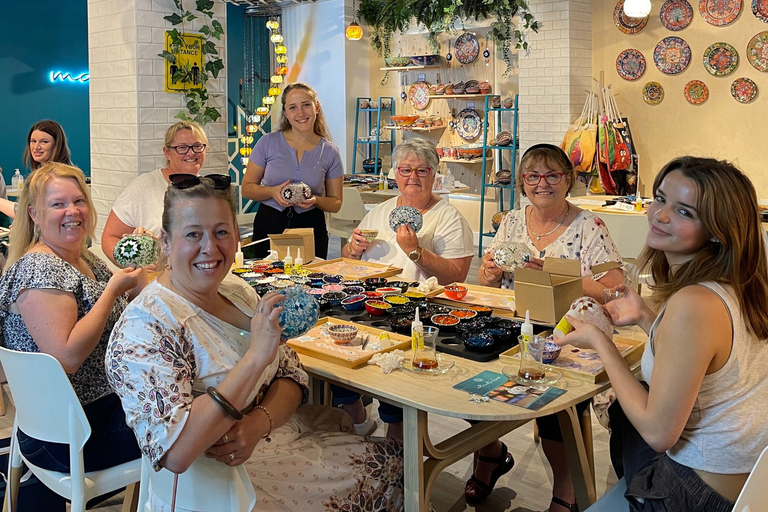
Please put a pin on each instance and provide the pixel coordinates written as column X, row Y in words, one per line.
column 353, row 290
column 342, row 333
column 354, row 302
column 455, row 292
column 332, row 278
column 138, row 250
column 508, row 256
column 333, row 287
column 406, row 215
column 396, row 300
column 446, row 323
column 550, row 353
column 463, row 314
column 370, row 234
column 300, row 312
column 295, row 193
column 334, row 298
column 500, row 335
column 374, row 282
column 478, row 341
column 388, row 290
column 497, row 218
column 376, row 307
column 403, row 285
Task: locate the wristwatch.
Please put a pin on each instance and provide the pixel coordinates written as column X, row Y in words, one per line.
column 416, row 254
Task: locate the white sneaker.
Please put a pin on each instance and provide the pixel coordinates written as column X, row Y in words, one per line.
column 367, row 427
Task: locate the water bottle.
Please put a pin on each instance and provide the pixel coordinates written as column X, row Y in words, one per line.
column 448, row 181
column 17, row 181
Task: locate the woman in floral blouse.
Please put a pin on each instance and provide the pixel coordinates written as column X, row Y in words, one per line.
column 197, row 327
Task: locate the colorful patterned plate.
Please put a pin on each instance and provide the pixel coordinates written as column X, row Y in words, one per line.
column 696, row 92
column 743, row 90
column 653, row 93
column 630, row 64
column 468, row 124
column 418, row 95
column 721, row 59
column 672, row 55
column 719, row 12
column 760, row 9
column 466, row 48
column 676, row 14
column 757, row 51
column 625, row 23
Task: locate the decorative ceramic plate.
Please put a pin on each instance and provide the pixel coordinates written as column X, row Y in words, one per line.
column 757, row 51
column 630, row 64
column 760, row 9
column 653, row 93
column 419, row 95
column 676, row 14
column 696, row 92
column 466, row 48
column 721, row 59
column 743, row 90
column 625, row 23
column 406, row 215
column 719, row 12
column 468, row 124
column 672, row 55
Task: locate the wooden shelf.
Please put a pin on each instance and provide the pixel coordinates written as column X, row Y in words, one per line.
column 408, row 68
column 414, row 128
column 459, row 96
column 464, row 160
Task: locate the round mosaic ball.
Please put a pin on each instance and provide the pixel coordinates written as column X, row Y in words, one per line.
column 137, row 250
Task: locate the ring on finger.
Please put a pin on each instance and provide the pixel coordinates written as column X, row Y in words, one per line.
column 260, row 310
column 357, row 242
column 224, row 438
column 231, row 457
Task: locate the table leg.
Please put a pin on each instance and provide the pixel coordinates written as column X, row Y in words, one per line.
column 414, row 430
column 578, row 463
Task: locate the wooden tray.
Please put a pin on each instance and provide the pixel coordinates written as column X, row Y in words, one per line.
column 354, row 269
column 321, row 346
column 591, row 368
column 502, row 301
column 604, row 209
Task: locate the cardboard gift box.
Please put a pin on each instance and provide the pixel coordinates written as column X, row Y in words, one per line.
column 297, row 238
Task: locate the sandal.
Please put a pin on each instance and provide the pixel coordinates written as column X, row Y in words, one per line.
column 479, row 489
column 572, row 507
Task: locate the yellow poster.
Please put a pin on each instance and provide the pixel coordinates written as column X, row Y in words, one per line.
column 189, row 60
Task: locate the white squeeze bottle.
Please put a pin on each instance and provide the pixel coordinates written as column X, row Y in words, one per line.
column 417, row 333
column 288, row 262
column 239, row 261
column 17, row 181
column 298, row 261
column 526, row 330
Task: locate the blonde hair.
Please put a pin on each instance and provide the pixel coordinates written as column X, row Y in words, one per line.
column 23, row 233
column 197, row 132
column 321, row 127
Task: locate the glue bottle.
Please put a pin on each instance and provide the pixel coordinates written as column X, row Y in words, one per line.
column 563, row 327
column 417, row 333
column 298, row 261
column 239, row 261
column 526, row 330
column 288, row 262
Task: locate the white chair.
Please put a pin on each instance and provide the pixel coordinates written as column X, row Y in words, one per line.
column 47, row 408
column 207, row 486
column 352, row 211
column 754, row 495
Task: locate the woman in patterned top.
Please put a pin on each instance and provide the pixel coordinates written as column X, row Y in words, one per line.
column 198, row 327
column 49, row 270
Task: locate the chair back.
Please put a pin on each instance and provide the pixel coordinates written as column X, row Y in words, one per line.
column 754, row 495
column 352, row 211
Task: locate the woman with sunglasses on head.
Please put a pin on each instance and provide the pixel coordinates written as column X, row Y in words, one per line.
column 140, row 205
column 205, row 379
column 300, row 151
column 549, row 227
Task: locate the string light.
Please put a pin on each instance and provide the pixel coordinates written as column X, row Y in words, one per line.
column 354, row 31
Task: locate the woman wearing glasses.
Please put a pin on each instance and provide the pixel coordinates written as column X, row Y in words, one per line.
column 549, row 227
column 442, row 248
column 141, row 203
column 300, row 151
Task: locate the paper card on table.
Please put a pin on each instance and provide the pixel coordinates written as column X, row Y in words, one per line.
column 530, row 397
column 482, row 383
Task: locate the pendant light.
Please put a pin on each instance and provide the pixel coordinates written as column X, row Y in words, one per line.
column 637, row 8
column 354, row 31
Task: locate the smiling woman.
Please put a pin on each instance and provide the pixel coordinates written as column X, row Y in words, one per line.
column 46, row 142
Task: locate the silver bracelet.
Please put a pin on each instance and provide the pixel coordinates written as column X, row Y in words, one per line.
column 485, row 275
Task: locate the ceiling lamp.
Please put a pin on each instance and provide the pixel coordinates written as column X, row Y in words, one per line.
column 354, row 31
column 637, row 8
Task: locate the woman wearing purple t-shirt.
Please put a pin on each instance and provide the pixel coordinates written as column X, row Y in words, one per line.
column 300, row 150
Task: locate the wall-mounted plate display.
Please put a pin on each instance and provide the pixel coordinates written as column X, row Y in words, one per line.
column 653, row 93
column 719, row 12
column 468, row 124
column 466, row 48
column 630, row 64
column 743, row 90
column 721, row 59
column 757, row 51
column 418, row 95
column 672, row 55
column 625, row 23
column 676, row 14
column 760, row 9
column 696, row 92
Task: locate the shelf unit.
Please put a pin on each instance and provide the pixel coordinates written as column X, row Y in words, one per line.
column 512, row 147
column 373, row 146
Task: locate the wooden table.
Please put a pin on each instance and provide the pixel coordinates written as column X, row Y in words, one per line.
column 420, row 395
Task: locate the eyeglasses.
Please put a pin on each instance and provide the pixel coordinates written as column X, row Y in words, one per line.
column 421, row 172
column 184, row 181
column 552, row 178
column 183, row 149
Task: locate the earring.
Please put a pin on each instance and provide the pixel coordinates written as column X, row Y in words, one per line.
column 714, row 240
column 36, row 232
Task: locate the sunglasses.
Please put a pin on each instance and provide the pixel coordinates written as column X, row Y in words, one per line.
column 184, row 181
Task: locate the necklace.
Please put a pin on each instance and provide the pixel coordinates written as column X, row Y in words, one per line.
column 539, row 236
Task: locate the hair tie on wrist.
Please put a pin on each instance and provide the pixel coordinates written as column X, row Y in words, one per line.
column 225, row 404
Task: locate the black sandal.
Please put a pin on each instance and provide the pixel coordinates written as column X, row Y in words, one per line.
column 572, row 507
column 504, row 464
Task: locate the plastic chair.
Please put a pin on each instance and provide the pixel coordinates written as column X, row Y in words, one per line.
column 47, row 408
column 754, row 495
column 207, row 486
column 352, row 211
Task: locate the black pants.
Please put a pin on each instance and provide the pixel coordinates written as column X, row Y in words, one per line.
column 269, row 221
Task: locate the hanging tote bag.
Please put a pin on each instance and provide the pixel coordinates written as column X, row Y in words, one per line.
column 579, row 141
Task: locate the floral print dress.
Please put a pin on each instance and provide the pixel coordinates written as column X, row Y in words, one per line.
column 165, row 351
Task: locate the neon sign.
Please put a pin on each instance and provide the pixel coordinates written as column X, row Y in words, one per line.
column 60, row 76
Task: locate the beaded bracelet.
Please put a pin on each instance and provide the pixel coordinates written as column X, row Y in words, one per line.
column 269, row 416
column 225, row 404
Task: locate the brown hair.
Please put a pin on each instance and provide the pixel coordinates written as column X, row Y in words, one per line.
column 60, row 152
column 321, row 127
column 553, row 158
column 735, row 254
column 203, row 190
column 23, row 235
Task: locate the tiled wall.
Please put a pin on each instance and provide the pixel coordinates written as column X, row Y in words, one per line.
column 130, row 111
column 556, row 72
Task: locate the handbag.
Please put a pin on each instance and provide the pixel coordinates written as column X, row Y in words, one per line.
column 579, row 140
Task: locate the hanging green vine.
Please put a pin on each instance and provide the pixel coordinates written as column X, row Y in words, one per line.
column 387, row 16
column 200, row 106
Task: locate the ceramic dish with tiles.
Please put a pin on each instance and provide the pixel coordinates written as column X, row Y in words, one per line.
column 351, row 282
column 300, row 280
column 630, row 64
column 369, row 234
column 485, row 87
column 403, row 285
column 478, row 341
column 495, row 101
column 404, row 120
column 472, row 90
column 388, row 290
column 283, row 283
column 353, row 290
column 372, row 295
column 482, row 311
column 405, row 215
column 425, row 60
column 466, row 48
column 374, row 282
column 377, row 307
column 333, row 279
column 409, row 308
column 503, row 138
column 470, row 151
column 498, row 217
column 333, row 287
column 418, row 95
column 463, row 314
column 719, row 12
column 274, row 271
column 468, row 124
column 295, row 193
column 353, row 302
column 676, row 14
column 401, row 324
column 760, row 10
column 317, row 292
column 696, row 92
column 500, row 335
column 672, row 55
column 266, row 280
column 459, row 88
column 625, row 23
column 551, row 351
column 334, row 298
column 455, row 291
column 446, row 323
column 449, row 90
column 397, row 62
column 509, row 255
column 396, row 300
column 342, row 333
column 653, row 93
column 757, row 51
column 415, row 296
column 504, row 177
column 743, row 90
column 720, row 59
column 300, row 312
